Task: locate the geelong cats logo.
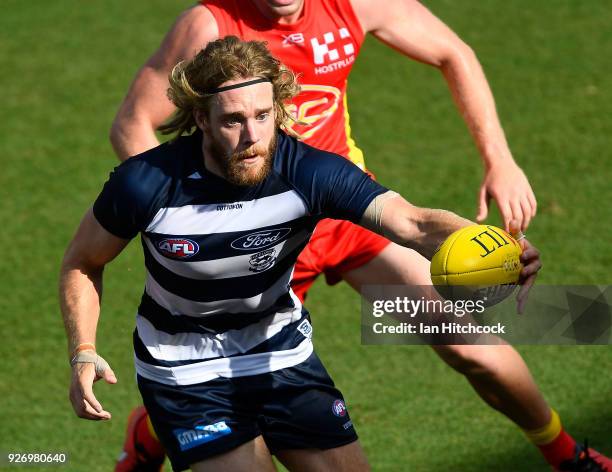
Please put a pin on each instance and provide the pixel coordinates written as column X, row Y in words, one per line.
column 262, row 260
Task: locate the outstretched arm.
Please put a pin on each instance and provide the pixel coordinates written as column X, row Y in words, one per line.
column 410, row 28
column 421, row 229
column 80, row 292
column 424, row 229
column 146, row 105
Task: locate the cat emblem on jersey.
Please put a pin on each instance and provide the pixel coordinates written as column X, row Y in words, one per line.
column 263, row 260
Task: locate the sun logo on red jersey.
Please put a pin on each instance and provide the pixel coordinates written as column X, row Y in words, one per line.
column 313, row 107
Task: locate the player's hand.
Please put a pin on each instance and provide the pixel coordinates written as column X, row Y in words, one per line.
column 531, row 266
column 83, row 400
column 508, row 185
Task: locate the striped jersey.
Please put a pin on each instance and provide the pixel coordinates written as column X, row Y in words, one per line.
column 219, row 257
column 321, row 47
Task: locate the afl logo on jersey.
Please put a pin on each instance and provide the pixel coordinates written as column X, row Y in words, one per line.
column 178, row 248
column 260, row 239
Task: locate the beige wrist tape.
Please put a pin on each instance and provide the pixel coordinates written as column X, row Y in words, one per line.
column 93, row 358
column 373, row 213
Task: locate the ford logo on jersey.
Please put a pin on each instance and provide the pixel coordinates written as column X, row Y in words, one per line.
column 178, row 248
column 260, row 239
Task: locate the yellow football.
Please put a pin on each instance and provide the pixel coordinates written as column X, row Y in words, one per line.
column 483, row 259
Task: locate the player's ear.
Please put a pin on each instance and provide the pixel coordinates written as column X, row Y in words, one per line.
column 201, row 119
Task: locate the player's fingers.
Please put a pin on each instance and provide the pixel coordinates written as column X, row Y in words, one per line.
column 483, row 204
column 533, row 202
column 517, row 212
column 78, row 404
column 506, row 213
column 523, row 242
column 527, row 212
column 529, row 252
column 88, row 395
column 531, row 269
column 520, row 304
column 90, row 413
column 83, row 408
column 109, row 376
column 531, row 262
column 523, row 293
column 514, row 227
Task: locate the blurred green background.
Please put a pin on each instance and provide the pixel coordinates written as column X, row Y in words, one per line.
column 67, row 66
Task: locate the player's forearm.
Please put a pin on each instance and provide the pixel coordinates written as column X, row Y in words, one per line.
column 422, row 229
column 473, row 97
column 80, row 293
column 427, row 228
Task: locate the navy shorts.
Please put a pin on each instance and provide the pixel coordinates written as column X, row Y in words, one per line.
column 294, row 408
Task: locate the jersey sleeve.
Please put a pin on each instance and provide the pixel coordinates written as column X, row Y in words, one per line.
column 125, row 204
column 333, row 186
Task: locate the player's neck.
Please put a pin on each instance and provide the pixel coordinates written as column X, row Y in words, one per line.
column 281, row 15
column 211, row 164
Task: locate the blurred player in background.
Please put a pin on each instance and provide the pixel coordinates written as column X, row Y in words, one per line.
column 320, row 40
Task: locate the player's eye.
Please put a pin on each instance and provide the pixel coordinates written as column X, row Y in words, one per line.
column 231, row 121
column 263, row 116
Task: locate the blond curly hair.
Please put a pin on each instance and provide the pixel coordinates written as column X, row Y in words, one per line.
column 222, row 60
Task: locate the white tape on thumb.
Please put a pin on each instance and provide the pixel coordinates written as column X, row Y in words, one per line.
column 91, row 357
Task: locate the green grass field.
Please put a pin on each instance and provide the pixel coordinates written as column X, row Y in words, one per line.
column 66, row 68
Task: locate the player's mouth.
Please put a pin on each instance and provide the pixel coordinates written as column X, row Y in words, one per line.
column 281, row 3
column 250, row 156
column 250, row 159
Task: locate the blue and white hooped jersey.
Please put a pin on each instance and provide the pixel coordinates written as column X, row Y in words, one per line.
column 219, row 257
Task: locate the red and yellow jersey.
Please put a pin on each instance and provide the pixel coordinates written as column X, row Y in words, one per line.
column 321, row 46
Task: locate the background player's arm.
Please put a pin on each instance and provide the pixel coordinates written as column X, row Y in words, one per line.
column 407, row 26
column 146, row 105
column 80, row 291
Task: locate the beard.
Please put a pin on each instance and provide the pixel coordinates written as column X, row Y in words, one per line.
column 235, row 170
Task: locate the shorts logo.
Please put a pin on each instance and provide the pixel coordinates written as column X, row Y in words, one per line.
column 305, row 328
column 178, row 248
column 339, row 409
column 260, row 239
column 200, row 434
column 263, row 260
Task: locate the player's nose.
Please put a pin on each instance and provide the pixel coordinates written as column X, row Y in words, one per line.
column 251, row 133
